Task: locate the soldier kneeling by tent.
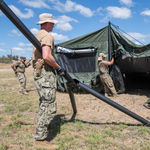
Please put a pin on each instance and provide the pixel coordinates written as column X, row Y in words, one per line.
column 19, row 69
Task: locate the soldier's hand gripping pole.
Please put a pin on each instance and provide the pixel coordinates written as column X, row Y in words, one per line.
column 9, row 13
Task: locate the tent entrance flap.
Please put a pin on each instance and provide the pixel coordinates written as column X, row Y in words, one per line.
column 77, row 61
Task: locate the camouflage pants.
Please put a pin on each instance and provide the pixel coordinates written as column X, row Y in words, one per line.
column 22, row 80
column 45, row 85
column 108, row 84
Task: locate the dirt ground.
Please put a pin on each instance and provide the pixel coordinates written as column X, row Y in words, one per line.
column 93, row 110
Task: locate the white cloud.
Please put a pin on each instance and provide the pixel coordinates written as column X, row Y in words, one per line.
column 63, row 23
column 67, row 7
column 64, row 27
column 15, row 49
column 64, row 18
column 146, row 12
column 104, row 19
column 15, row 33
column 126, row 2
column 20, row 51
column 137, row 36
column 70, row 6
column 98, row 9
column 2, row 43
column 35, row 3
column 84, row 10
column 34, row 31
column 29, row 48
column 17, row 11
column 59, row 37
column 23, row 44
column 117, row 12
column 2, row 50
column 121, row 13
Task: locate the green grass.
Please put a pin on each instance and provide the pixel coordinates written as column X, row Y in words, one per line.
column 3, row 147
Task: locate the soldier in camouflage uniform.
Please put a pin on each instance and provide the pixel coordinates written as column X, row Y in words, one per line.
column 44, row 78
column 19, row 69
column 104, row 76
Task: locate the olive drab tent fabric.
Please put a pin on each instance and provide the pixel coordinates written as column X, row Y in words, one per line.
column 83, row 66
column 133, row 58
column 79, row 58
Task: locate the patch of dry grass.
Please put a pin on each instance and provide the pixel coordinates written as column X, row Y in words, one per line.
column 96, row 126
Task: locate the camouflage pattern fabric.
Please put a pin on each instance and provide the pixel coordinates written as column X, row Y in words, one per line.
column 108, row 84
column 22, row 80
column 45, row 85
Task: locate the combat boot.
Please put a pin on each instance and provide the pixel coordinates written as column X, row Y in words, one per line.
column 26, row 93
column 44, row 145
column 108, row 95
column 115, row 95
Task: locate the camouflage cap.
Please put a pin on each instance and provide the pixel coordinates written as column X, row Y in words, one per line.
column 22, row 57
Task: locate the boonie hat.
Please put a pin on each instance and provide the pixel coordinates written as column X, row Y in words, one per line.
column 101, row 55
column 45, row 17
column 22, row 57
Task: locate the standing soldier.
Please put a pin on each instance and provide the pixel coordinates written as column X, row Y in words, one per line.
column 104, row 76
column 19, row 69
column 44, row 78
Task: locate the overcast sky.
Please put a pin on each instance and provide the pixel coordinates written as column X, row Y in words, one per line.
column 75, row 18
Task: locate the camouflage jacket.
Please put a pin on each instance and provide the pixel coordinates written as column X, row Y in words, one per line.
column 19, row 66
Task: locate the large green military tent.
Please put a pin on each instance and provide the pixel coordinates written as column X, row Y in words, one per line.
column 79, row 57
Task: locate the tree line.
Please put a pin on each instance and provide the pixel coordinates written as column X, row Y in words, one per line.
column 8, row 59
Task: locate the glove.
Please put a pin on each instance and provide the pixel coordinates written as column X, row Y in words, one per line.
column 60, row 71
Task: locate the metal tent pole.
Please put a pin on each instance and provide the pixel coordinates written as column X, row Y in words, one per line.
column 109, row 45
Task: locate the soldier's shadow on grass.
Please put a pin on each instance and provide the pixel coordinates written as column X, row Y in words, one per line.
column 55, row 127
column 60, row 119
column 56, row 124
